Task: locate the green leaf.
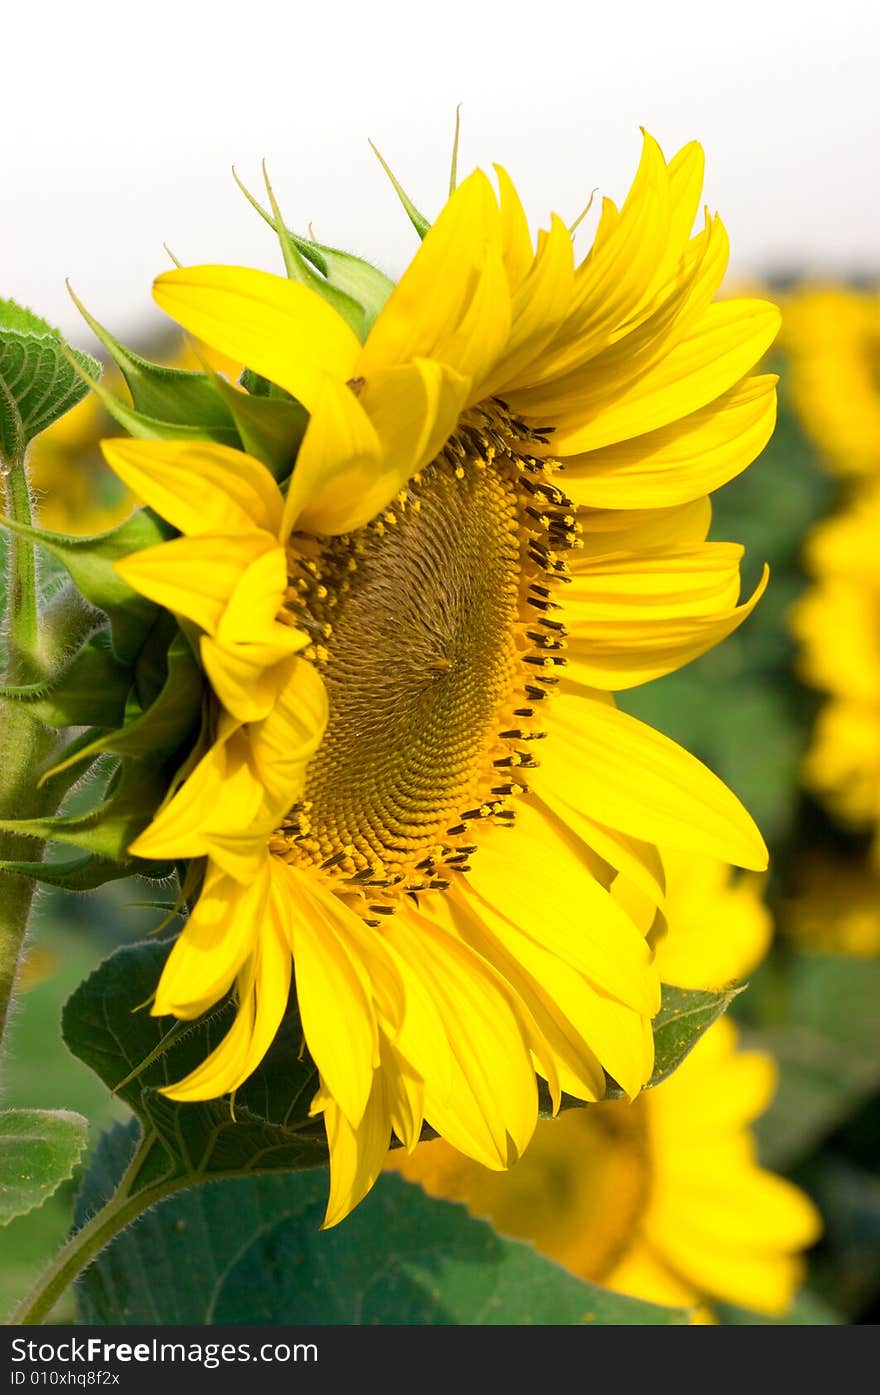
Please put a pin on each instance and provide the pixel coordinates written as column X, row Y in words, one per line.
column 355, row 289
column 685, row 1014
column 38, row 384
column 90, row 690
column 166, row 395
column 249, row 1250
column 39, row 1149
column 820, row 1022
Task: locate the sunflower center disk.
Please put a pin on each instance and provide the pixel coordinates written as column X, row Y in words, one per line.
column 434, row 635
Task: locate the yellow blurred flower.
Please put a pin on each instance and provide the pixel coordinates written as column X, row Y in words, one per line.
column 837, row 622
column 73, row 490
column 832, row 336
column 663, row 1198
column 834, row 907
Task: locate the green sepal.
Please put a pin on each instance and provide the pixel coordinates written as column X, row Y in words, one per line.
column 134, row 792
column 89, row 561
column 39, row 382
column 358, row 278
column 90, row 690
column 164, row 725
column 147, row 428
column 418, row 220
column 89, row 872
column 269, row 428
column 298, row 268
column 163, row 394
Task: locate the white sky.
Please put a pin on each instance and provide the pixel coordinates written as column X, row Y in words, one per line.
column 145, row 105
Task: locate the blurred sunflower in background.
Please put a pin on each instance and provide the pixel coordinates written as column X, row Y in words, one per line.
column 837, row 622
column 662, row 1198
column 831, row 335
column 416, row 769
column 74, row 490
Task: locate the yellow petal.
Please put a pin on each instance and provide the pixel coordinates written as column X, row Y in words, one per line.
column 581, row 1026
column 539, row 305
column 340, row 455
column 198, row 486
column 630, row 777
column 432, row 298
column 215, row 942
column 728, row 339
column 639, row 862
column 492, row 1109
column 516, row 242
column 632, row 530
column 220, row 796
column 284, row 742
column 277, row 327
column 349, row 470
column 194, row 577
column 682, row 461
column 617, row 641
column 333, row 991
column 263, row 989
column 243, row 656
column 562, row 907
column 357, row 1154
column 614, row 278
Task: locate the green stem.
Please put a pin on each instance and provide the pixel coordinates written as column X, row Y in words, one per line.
column 22, row 627
column 24, row 745
column 86, row 1243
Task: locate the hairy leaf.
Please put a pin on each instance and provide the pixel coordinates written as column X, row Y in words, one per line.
column 39, row 1149
column 38, row 383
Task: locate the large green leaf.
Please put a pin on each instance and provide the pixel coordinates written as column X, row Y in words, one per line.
column 250, row 1250
column 39, row 1148
column 38, row 382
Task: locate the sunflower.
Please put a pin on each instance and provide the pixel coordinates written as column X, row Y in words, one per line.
column 421, row 789
column 834, row 906
column 832, row 337
column 837, row 622
column 662, row 1199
